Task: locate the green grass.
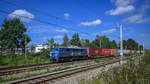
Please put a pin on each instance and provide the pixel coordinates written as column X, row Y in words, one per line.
column 45, row 71
column 30, row 74
column 133, row 72
column 12, row 60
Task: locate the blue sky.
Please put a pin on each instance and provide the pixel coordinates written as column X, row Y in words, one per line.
column 87, row 17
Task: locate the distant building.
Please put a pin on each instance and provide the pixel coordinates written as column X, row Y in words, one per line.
column 38, row 48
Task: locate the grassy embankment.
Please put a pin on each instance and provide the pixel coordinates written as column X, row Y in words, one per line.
column 12, row 60
column 45, row 71
column 133, row 72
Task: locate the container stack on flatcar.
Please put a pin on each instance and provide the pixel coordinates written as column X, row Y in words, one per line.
column 106, row 52
column 133, row 51
column 100, row 52
column 93, row 52
column 114, row 52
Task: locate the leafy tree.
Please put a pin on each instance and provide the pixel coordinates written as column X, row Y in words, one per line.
column 124, row 44
column 132, row 44
column 113, row 44
column 75, row 40
column 141, row 47
column 65, row 41
column 101, row 41
column 85, row 42
column 12, row 34
column 56, row 45
column 32, row 48
column 51, row 42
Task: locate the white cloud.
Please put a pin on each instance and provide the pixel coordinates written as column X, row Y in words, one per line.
column 94, row 34
column 145, row 35
column 123, row 2
column 62, row 30
column 92, row 23
column 22, row 14
column 58, row 37
column 122, row 6
column 109, row 31
column 121, row 10
column 138, row 18
column 67, row 15
column 43, row 38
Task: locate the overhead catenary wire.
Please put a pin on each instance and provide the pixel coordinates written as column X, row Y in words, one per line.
column 49, row 15
column 40, row 12
column 45, row 22
column 46, row 14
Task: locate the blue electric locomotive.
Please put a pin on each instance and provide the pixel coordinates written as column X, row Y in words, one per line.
column 61, row 54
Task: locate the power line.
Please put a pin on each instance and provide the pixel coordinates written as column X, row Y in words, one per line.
column 49, row 15
column 44, row 22
column 46, row 14
column 41, row 12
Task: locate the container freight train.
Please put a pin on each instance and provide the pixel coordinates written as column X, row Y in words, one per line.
column 62, row 54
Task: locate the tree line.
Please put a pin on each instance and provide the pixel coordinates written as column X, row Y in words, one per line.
column 13, row 36
column 98, row 42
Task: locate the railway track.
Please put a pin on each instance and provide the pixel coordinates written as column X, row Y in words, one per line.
column 53, row 76
column 11, row 71
column 22, row 69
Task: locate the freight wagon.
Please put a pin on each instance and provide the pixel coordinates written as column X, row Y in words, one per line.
column 93, row 52
column 114, row 52
column 125, row 52
column 133, row 51
column 106, row 52
column 99, row 52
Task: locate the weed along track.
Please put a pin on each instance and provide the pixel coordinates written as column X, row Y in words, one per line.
column 54, row 76
column 11, row 71
column 55, row 68
column 22, row 69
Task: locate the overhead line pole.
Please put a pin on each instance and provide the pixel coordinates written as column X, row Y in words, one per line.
column 100, row 44
column 143, row 48
column 121, row 46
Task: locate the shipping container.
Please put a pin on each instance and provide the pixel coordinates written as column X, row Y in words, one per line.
column 106, row 52
column 130, row 51
column 114, row 51
column 119, row 51
column 98, row 52
column 125, row 52
column 141, row 52
column 94, row 52
column 133, row 51
column 137, row 51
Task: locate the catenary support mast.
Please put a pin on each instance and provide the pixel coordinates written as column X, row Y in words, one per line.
column 121, row 46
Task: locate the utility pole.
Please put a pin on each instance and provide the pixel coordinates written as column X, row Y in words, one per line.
column 139, row 52
column 25, row 50
column 100, row 44
column 143, row 48
column 121, row 46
